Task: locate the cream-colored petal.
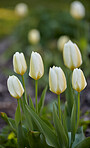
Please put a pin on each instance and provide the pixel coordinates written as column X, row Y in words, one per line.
column 83, row 82
column 66, row 55
column 17, row 87
column 52, row 80
column 34, row 66
column 10, row 87
column 79, row 57
column 23, row 62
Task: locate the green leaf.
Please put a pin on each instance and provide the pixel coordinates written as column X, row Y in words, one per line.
column 28, row 119
column 62, row 137
column 69, row 93
column 79, row 137
column 22, row 137
column 10, row 121
column 65, row 123
column 41, row 102
column 67, row 118
column 84, row 144
column 37, row 140
column 17, row 115
column 31, row 103
column 43, row 127
column 73, row 122
column 4, row 116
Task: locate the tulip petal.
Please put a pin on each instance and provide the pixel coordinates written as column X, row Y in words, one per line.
column 66, row 55
column 10, row 87
column 52, row 80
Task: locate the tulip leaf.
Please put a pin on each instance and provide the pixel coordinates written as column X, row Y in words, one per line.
column 73, row 122
column 67, row 118
column 41, row 102
column 4, row 116
column 69, row 94
column 28, row 119
column 37, row 140
column 79, row 137
column 62, row 137
column 31, row 103
column 65, row 123
column 50, row 136
column 22, row 140
column 18, row 114
column 10, row 121
column 84, row 144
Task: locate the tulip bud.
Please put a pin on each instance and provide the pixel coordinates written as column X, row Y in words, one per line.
column 15, row 87
column 19, row 63
column 21, row 9
column 36, row 66
column 61, row 41
column 57, row 80
column 78, row 80
column 34, row 36
column 71, row 55
column 77, row 10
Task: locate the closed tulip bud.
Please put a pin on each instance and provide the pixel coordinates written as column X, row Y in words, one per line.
column 19, row 63
column 71, row 55
column 34, row 36
column 61, row 41
column 78, row 80
column 21, row 9
column 57, row 80
column 77, row 10
column 15, row 87
column 36, row 66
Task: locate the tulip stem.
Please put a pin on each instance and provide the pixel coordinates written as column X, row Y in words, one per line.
column 25, row 95
column 59, row 107
column 18, row 100
column 36, row 93
column 78, row 112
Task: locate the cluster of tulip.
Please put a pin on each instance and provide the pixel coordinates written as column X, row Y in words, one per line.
column 58, row 84
column 57, row 81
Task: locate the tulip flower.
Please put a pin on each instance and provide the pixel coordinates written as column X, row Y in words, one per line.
column 36, row 66
column 36, row 71
column 21, row 9
column 78, row 80
column 34, row 36
column 15, row 87
column 57, row 83
column 57, row 80
column 77, row 10
column 19, row 63
column 78, row 83
column 61, row 41
column 71, row 55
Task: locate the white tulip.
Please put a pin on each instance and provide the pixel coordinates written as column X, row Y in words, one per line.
column 78, row 80
column 21, row 9
column 34, row 36
column 57, row 80
column 15, row 87
column 77, row 10
column 61, row 41
column 19, row 63
column 71, row 55
column 36, row 66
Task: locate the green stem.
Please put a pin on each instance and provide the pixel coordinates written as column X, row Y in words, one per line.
column 59, row 107
column 78, row 112
column 25, row 95
column 36, row 93
column 18, row 100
